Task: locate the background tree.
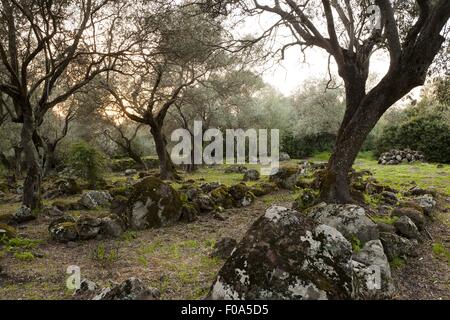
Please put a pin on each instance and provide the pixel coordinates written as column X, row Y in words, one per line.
column 48, row 51
column 410, row 31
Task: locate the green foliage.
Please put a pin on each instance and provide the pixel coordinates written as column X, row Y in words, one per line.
column 440, row 251
column 105, row 256
column 25, row 256
column 305, row 146
column 356, row 244
column 87, row 161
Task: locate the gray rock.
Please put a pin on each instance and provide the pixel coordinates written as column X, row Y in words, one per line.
column 426, row 202
column 415, row 215
column 88, row 227
column 372, row 273
column 316, row 265
column 350, row 220
column 397, row 246
column 235, row 169
column 406, row 227
column 284, row 156
column 63, row 229
column 251, row 175
column 130, row 289
column 130, row 172
column 23, row 214
column 112, row 226
column 389, row 197
column 208, row 187
column 224, row 247
column 94, row 199
column 285, row 177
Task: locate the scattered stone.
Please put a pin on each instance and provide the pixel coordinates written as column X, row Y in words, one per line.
column 53, row 212
column 189, row 212
column 350, row 220
column 415, row 215
column 406, row 227
column 130, row 172
column 204, row 203
column 112, row 226
column 389, row 197
column 130, row 289
column 235, row 169
column 88, row 227
column 208, row 187
column 241, row 194
column 153, row 203
column 251, row 175
column 63, row 229
column 23, row 214
column 224, row 247
column 94, row 199
column 222, row 197
column 396, row 246
column 284, row 156
column 218, row 216
column 285, row 177
column 400, row 156
column 426, row 202
column 87, row 288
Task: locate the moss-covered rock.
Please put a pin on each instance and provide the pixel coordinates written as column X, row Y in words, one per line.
column 241, row 194
column 263, row 188
column 63, row 229
column 286, row 177
column 222, row 197
column 415, row 215
column 307, row 198
column 153, row 203
column 189, row 212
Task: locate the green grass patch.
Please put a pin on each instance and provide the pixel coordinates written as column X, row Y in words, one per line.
column 397, row 263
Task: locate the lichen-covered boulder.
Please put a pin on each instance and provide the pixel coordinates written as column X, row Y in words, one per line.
column 204, row 202
column 306, row 199
column 285, row 255
column 372, row 273
column 415, row 215
column 63, row 229
column 285, row 177
column 130, row 289
column 251, row 175
column 153, row 204
column 6, row 231
column 397, row 246
column 406, row 227
column 210, row 186
column 241, row 194
column 223, row 248
column 24, row 214
column 350, row 220
column 94, row 199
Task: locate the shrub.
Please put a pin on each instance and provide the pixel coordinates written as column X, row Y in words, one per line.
column 427, row 133
column 306, row 146
column 87, row 161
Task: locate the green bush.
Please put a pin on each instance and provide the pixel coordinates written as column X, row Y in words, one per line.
column 427, row 133
column 87, row 161
column 306, row 146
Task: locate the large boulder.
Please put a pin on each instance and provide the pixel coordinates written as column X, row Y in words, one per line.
column 94, row 199
column 350, row 220
column 112, row 226
column 88, row 227
column 130, row 289
column 372, row 273
column 153, row 204
column 285, row 255
column 426, row 202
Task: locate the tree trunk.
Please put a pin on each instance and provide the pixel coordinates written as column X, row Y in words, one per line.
column 18, row 160
column 133, row 155
column 32, row 183
column 167, row 169
column 4, row 161
column 50, row 160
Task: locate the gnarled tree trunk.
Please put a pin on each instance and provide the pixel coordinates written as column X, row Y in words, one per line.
column 167, row 169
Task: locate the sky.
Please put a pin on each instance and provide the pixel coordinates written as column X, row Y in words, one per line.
column 291, row 73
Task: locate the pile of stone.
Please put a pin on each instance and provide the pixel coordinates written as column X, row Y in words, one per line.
column 400, row 156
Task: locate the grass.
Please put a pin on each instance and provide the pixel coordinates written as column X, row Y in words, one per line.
column 397, row 263
column 385, row 219
column 440, row 251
